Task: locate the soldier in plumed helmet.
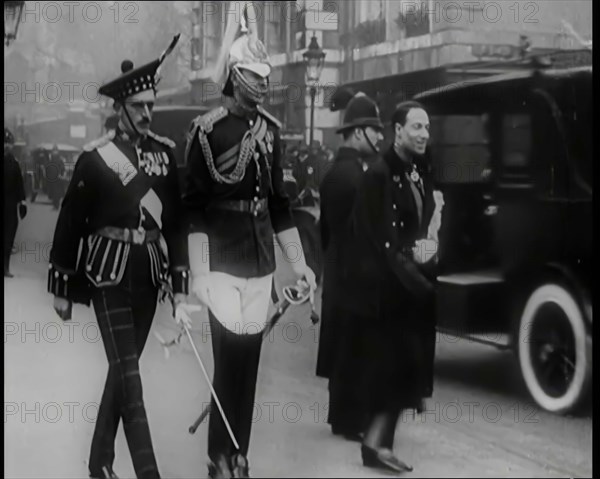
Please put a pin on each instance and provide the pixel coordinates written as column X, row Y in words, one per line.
column 120, row 243
column 236, row 201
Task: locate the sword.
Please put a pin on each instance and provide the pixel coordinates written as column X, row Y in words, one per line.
column 181, row 311
column 292, row 295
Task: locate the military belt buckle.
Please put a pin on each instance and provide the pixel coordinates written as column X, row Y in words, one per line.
column 138, row 236
column 256, row 206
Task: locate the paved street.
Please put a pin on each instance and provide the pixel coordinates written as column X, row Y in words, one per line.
column 480, row 422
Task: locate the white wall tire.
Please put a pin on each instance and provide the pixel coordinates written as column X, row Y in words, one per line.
column 530, row 348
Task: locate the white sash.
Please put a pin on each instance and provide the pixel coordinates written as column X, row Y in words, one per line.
column 125, row 170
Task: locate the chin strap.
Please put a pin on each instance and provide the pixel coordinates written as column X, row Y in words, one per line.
column 130, row 121
column 373, row 147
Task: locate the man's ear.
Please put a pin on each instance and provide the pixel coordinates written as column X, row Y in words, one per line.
column 397, row 128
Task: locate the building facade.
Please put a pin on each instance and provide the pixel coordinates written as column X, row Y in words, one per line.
column 391, row 49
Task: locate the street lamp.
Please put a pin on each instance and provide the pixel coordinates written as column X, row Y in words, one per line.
column 314, row 58
column 12, row 19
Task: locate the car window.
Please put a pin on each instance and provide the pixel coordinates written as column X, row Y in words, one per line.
column 516, row 141
column 460, row 148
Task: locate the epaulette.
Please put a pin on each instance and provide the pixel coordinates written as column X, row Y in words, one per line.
column 208, row 120
column 162, row 139
column 103, row 140
column 269, row 117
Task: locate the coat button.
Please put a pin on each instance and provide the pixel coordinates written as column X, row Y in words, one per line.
column 394, row 206
column 401, row 224
column 394, row 223
column 98, row 278
column 113, row 276
column 56, row 274
column 65, row 277
column 256, row 198
column 387, row 244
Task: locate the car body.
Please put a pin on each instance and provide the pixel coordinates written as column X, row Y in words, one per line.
column 512, row 155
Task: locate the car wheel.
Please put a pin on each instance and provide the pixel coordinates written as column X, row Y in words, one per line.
column 555, row 349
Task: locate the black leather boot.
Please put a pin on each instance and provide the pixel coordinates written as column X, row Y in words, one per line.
column 105, row 473
column 383, row 459
column 239, row 466
column 220, row 469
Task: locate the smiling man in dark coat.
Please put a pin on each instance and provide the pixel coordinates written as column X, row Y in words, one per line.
column 362, row 130
column 389, row 292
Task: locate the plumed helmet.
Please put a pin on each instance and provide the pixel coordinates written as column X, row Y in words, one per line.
column 245, row 51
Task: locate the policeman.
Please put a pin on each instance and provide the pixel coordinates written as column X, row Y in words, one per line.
column 236, row 201
column 14, row 198
column 123, row 206
column 362, row 131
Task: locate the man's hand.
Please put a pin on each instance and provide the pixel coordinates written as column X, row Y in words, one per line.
column 200, row 286
column 63, row 308
column 424, row 250
column 183, row 313
column 178, row 298
column 306, row 279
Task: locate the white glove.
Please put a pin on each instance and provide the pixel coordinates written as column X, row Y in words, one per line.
column 183, row 313
column 309, row 280
column 200, row 285
column 424, row 250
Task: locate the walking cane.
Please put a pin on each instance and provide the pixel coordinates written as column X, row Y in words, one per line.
column 181, row 311
column 292, row 295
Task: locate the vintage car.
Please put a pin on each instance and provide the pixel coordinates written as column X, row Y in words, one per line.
column 512, row 155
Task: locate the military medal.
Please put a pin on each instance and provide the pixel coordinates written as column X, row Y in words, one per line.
column 396, row 178
column 414, row 176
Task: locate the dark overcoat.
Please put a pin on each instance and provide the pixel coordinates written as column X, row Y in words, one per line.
column 14, row 193
column 387, row 292
column 337, row 191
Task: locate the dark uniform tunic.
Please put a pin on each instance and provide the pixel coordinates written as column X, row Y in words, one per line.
column 14, row 193
column 121, row 267
column 240, row 244
column 240, row 217
column 389, row 297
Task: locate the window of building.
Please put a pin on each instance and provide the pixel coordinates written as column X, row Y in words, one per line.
column 274, row 16
column 370, row 10
column 369, row 24
column 212, row 24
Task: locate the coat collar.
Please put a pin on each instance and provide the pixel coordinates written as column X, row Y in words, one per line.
column 398, row 165
column 346, row 153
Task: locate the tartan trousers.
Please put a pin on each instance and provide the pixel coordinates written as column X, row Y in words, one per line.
column 125, row 313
